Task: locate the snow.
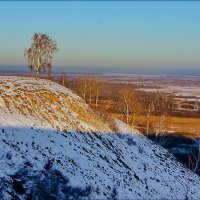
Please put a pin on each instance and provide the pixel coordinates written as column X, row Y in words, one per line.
column 125, row 161
column 60, row 107
column 177, row 91
column 188, row 99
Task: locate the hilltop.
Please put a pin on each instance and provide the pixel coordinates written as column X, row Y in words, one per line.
column 52, row 144
column 42, row 103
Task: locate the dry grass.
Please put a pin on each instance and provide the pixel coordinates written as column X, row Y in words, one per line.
column 53, row 107
column 177, row 125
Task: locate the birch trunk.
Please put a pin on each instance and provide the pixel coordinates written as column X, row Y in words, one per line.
column 97, row 98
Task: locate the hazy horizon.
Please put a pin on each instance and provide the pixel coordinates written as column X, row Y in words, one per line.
column 10, row 69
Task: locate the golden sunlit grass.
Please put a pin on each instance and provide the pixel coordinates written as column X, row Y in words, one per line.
column 55, row 108
column 177, row 125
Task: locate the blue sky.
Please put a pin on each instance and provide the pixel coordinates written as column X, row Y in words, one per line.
column 146, row 35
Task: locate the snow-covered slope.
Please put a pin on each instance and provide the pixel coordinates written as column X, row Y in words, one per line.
column 44, row 103
column 95, row 165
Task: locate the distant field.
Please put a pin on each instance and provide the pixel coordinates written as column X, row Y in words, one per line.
column 176, row 90
column 185, row 126
column 177, row 126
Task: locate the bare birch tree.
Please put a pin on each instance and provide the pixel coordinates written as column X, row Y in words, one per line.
column 82, row 86
column 136, row 109
column 149, row 112
column 161, row 125
column 126, row 99
column 91, row 88
column 97, row 87
column 40, row 54
column 160, row 128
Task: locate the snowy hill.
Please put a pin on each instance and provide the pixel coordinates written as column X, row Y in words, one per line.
column 43, row 103
column 37, row 159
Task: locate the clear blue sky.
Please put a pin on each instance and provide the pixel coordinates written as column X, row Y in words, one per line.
column 105, row 34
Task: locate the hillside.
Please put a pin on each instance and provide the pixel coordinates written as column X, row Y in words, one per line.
column 44, row 103
column 87, row 161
